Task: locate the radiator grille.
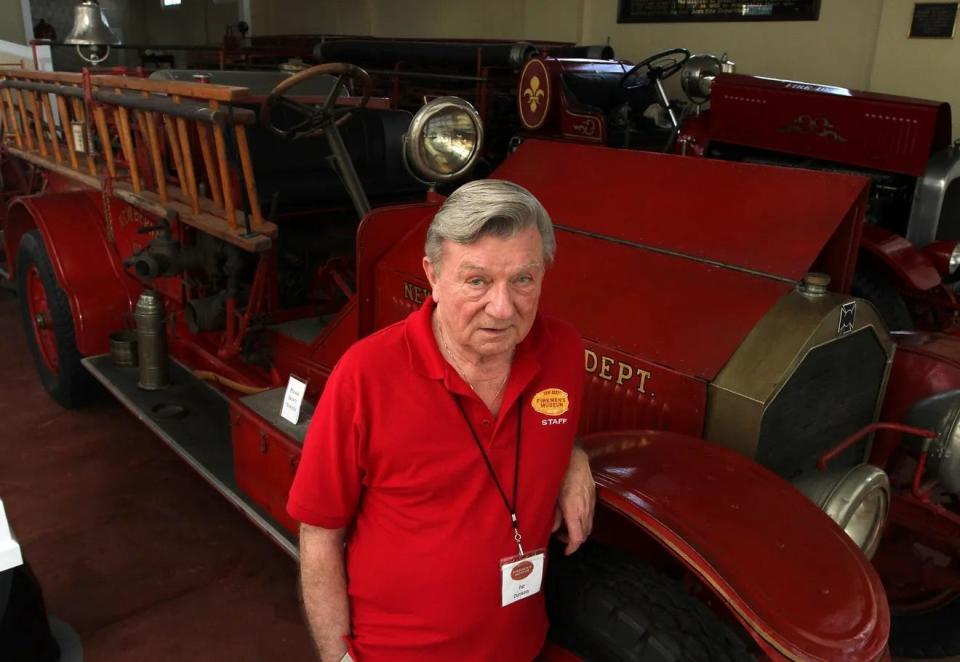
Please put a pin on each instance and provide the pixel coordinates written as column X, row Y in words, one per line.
column 832, row 394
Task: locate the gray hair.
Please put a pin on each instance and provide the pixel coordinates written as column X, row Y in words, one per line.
column 488, row 207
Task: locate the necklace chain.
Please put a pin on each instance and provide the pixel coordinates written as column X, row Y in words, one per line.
column 456, row 364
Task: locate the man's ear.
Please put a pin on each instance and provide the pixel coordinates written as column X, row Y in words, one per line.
column 432, row 276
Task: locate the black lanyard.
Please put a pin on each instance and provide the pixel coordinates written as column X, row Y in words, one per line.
column 511, row 507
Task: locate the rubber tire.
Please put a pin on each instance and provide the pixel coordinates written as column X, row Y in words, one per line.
column 926, row 635
column 878, row 291
column 605, row 605
column 72, row 386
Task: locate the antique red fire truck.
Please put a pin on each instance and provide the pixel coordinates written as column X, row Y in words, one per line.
column 190, row 246
column 909, row 245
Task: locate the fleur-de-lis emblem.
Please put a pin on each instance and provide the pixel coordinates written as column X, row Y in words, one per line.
column 533, row 94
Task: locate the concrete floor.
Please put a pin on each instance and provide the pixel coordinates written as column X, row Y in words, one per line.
column 133, row 550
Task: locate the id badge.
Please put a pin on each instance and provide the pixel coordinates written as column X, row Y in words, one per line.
column 521, row 576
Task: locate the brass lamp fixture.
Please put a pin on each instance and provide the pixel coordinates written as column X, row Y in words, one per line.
column 90, row 29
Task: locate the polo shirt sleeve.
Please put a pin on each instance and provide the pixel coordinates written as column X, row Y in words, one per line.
column 326, row 489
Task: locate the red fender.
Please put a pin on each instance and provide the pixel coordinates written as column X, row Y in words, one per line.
column 908, row 263
column 87, row 267
column 791, row 576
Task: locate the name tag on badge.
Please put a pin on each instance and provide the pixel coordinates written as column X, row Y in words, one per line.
column 521, row 576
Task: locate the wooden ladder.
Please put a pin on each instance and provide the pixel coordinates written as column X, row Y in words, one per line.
column 137, row 139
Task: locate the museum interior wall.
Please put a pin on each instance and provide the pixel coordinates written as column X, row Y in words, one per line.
column 861, row 44
column 11, row 22
column 925, row 68
column 193, row 23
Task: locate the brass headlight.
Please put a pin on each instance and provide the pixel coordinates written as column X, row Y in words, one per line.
column 444, row 139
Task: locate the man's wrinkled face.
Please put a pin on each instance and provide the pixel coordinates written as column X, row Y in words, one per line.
column 487, row 292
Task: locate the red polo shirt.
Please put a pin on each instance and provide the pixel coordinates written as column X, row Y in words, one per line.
column 389, row 455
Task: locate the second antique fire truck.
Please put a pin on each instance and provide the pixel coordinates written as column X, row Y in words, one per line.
column 193, row 245
column 909, row 246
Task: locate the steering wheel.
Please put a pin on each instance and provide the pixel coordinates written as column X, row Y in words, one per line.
column 315, row 120
column 661, row 66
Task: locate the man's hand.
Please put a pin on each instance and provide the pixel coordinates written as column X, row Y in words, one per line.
column 578, row 494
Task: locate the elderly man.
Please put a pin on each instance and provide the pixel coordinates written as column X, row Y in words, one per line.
column 442, row 452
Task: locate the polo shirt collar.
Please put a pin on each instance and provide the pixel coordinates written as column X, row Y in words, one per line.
column 426, row 359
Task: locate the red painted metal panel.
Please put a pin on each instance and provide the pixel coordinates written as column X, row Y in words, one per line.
column 264, row 462
column 674, row 312
column 379, row 231
column 101, row 294
column 879, row 131
column 770, row 219
column 792, row 577
column 624, row 392
column 669, row 311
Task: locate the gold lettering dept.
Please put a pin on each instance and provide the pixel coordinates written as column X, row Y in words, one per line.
column 602, row 367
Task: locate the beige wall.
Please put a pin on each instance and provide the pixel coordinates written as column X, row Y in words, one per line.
column 310, row 17
column 837, row 49
column 11, row 22
column 477, row 18
column 927, row 68
column 856, row 43
column 192, row 23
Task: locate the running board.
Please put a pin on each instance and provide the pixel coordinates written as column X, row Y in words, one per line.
column 194, row 420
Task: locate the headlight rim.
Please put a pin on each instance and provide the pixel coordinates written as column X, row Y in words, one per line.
column 415, row 134
column 840, row 494
column 850, row 493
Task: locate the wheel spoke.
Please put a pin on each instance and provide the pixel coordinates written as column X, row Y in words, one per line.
column 44, row 333
column 297, row 106
column 334, row 93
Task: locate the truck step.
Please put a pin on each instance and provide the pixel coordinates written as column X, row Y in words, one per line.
column 193, row 419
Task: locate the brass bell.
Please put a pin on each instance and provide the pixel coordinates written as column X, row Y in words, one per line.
column 90, row 27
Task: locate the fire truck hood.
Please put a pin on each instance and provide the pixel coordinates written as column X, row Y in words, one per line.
column 676, row 259
column 877, row 131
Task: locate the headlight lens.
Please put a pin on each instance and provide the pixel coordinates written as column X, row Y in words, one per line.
column 857, row 499
column 444, row 139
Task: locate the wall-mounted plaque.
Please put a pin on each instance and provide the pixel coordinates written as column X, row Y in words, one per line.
column 934, row 19
column 662, row 11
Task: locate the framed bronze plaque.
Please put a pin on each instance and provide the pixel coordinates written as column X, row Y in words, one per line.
column 671, row 11
column 935, row 20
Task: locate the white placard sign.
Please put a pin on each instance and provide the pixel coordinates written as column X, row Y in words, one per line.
column 292, row 400
column 78, row 137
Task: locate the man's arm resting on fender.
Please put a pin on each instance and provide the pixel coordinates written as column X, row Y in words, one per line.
column 323, row 587
column 578, row 495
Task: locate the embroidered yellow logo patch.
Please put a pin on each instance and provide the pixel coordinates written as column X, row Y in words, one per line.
column 551, row 402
